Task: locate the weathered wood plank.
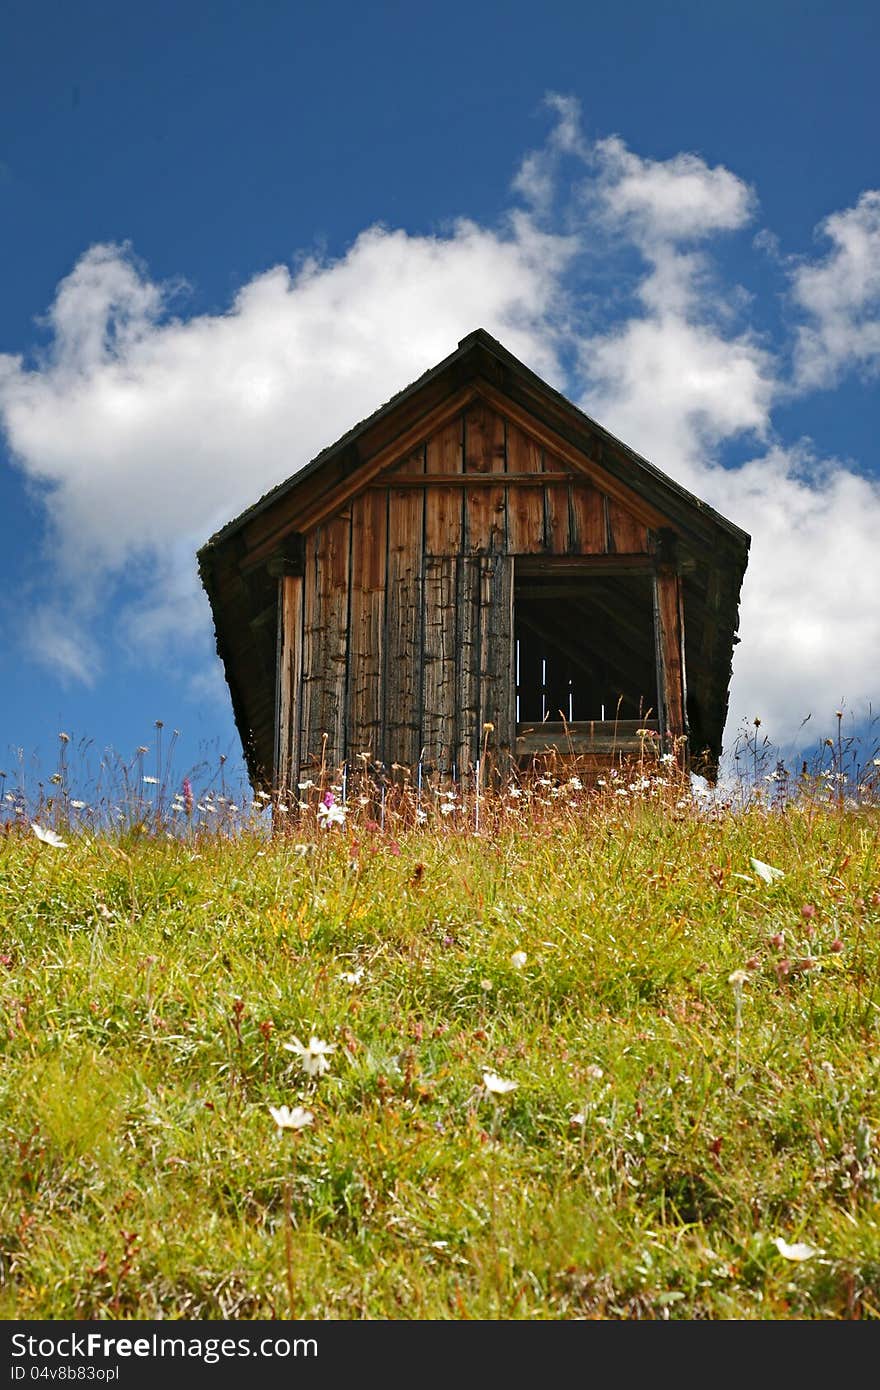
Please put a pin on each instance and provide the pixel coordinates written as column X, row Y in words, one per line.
column 525, row 504
column 556, row 533
column 582, row 736
column 287, row 724
column 497, row 684
column 588, row 531
column 586, row 565
column 414, row 463
column 403, row 628
column 485, row 507
column 468, row 480
column 439, row 662
column 444, row 506
column 467, row 647
column 326, row 676
column 669, row 622
column 369, row 534
column 524, row 454
column 525, row 520
column 557, row 529
column 444, row 451
column 628, row 535
column 484, row 449
column 311, row 674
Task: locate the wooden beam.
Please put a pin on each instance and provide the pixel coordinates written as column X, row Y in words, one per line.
column 287, row 558
column 572, row 566
column 332, row 499
column 468, row 480
column 582, row 736
column 631, row 500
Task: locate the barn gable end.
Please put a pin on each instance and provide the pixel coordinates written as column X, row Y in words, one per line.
column 476, row 553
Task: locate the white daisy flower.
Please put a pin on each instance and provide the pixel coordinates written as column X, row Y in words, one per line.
column 797, row 1252
column 496, row 1085
column 313, row 1057
column 297, row 1118
column 48, row 837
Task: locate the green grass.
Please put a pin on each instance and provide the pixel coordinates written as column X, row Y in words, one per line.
column 655, row 1146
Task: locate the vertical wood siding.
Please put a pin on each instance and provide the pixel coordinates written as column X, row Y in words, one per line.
column 439, row 661
column 402, row 692
column 670, row 640
column 444, row 453
column 398, row 639
column 485, row 507
column 525, row 505
column 369, row 543
column 497, row 690
column 325, row 639
column 287, row 719
column 467, row 620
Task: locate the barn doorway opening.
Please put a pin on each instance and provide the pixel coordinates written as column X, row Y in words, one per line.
column 584, row 650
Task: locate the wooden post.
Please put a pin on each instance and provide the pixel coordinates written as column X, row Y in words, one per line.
column 497, row 725
column 669, row 641
column 288, row 677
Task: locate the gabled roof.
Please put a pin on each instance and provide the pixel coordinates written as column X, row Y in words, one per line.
column 237, row 564
column 479, row 356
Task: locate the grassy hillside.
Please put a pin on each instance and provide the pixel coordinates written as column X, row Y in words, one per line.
column 692, row 1035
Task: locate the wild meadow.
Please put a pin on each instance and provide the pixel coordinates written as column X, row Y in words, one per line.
column 533, row 1049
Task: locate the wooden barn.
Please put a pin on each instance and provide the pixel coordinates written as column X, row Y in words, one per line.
column 477, row 568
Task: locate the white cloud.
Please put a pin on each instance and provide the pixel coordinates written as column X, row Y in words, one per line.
column 809, row 617
column 537, row 177
column 674, row 387
column 841, row 297
column 144, row 430
column 147, row 432
column 677, row 379
column 678, row 199
column 55, row 637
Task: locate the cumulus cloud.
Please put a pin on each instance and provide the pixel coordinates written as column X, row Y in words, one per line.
column 675, row 378
column 536, row 180
column 681, row 377
column 144, row 429
column 809, row 616
column 673, row 385
column 841, row 298
column 678, row 199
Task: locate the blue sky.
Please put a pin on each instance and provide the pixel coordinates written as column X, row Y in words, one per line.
column 231, row 232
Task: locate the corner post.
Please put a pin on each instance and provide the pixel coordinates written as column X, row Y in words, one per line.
column 669, row 645
column 288, row 676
